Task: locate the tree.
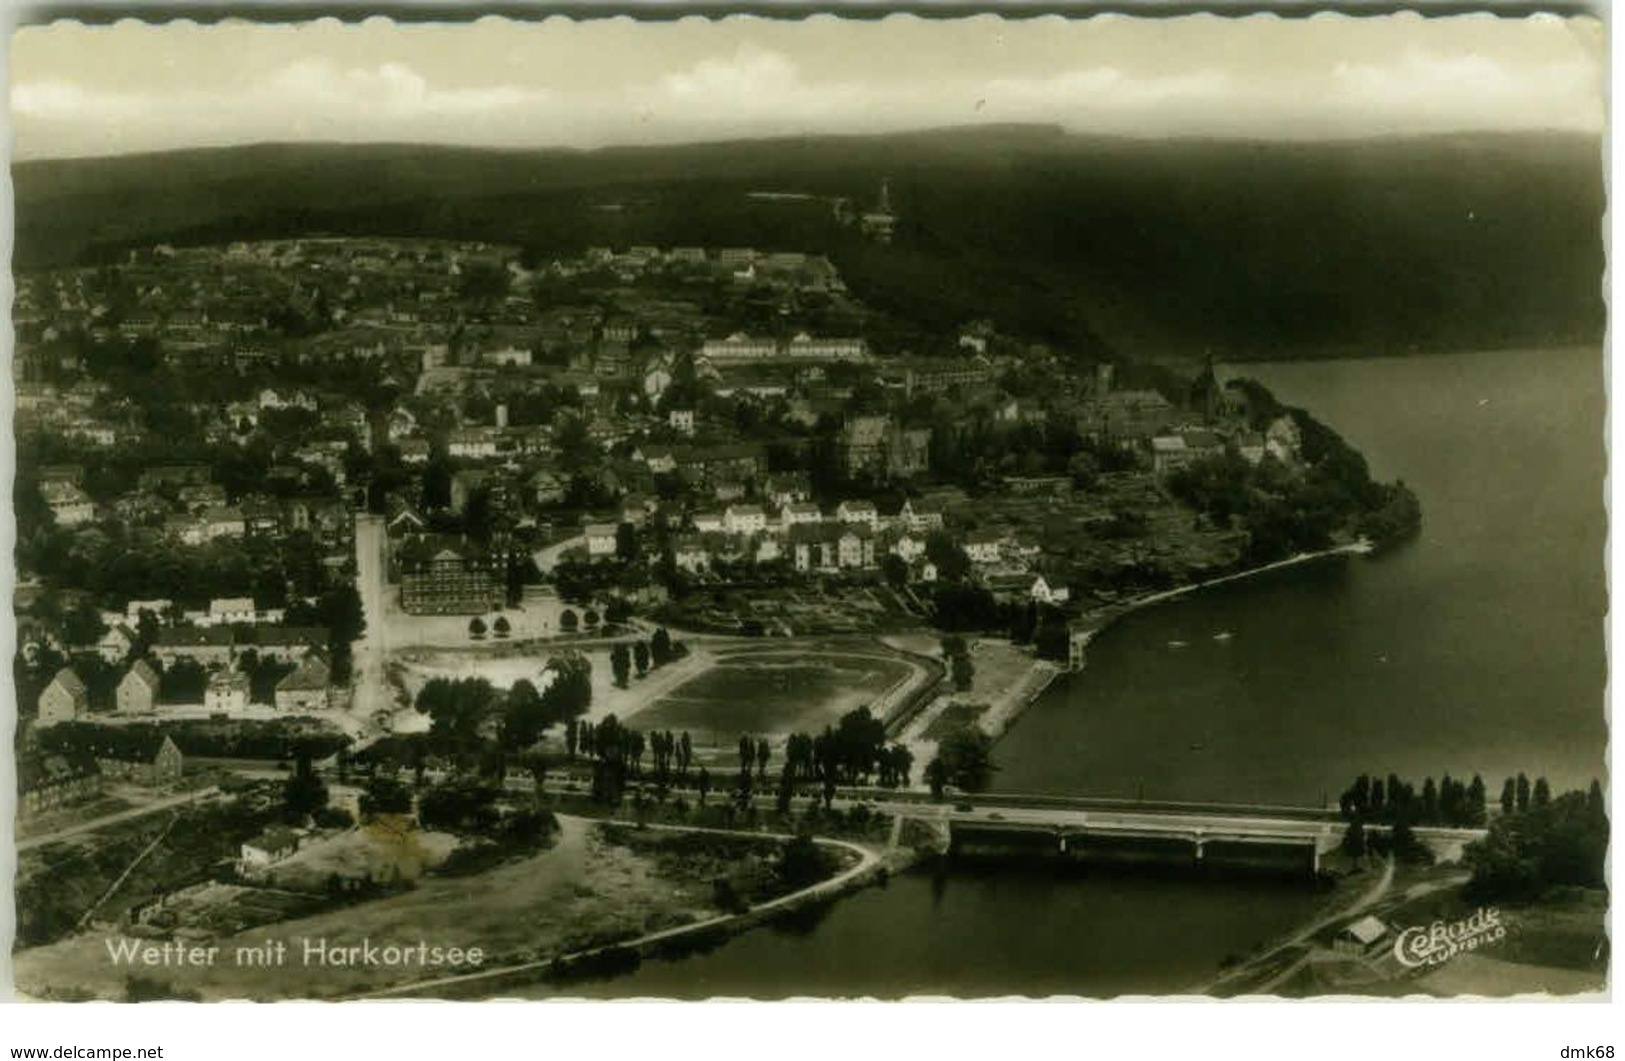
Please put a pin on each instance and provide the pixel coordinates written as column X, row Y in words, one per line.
column 569, row 621
column 660, row 647
column 764, row 752
column 476, row 628
column 704, row 783
column 967, row 759
column 1354, row 841
column 1543, row 792
column 747, row 753
column 640, row 657
column 569, row 692
column 936, row 775
column 1523, row 792
column 524, row 716
column 1562, row 843
column 1509, row 797
column 1475, row 811
column 385, row 795
column 303, row 794
column 572, row 735
column 620, row 663
column 82, row 624
column 502, row 628
column 786, row 789
column 459, row 806
column 895, row 570
column 964, row 672
column 626, row 542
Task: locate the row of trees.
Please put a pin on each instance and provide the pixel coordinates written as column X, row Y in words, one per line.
column 1450, row 802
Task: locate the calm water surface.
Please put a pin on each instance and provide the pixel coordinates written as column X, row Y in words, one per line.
column 1477, row 647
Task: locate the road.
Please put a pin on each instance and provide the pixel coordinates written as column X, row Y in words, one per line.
column 548, row 558
column 371, row 688
column 122, row 816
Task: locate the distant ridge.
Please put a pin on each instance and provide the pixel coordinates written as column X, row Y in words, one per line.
column 1117, row 247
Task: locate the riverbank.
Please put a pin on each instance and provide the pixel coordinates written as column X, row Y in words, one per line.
column 617, row 957
column 1099, row 619
column 1000, row 693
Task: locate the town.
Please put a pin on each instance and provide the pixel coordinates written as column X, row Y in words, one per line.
column 326, row 542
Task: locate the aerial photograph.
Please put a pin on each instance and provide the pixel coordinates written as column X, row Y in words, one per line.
column 690, row 509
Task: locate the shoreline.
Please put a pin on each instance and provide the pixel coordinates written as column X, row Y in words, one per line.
column 1106, row 616
column 996, row 722
column 869, row 867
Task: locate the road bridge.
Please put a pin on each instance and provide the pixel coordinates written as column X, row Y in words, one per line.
column 1228, row 837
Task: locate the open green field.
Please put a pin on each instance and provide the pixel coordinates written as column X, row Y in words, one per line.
column 773, row 693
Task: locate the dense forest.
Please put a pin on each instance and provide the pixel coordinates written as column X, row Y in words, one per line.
column 1106, row 247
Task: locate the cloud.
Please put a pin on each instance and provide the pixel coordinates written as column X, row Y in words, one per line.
column 752, row 90
column 749, row 74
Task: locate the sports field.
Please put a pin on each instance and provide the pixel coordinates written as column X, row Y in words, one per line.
column 773, row 694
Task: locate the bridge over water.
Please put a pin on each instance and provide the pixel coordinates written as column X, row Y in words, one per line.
column 1080, row 830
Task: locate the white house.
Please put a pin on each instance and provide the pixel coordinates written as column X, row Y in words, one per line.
column 600, row 539
column 227, row 610
column 908, row 546
column 266, row 850
column 1043, row 593
column 681, row 420
column 744, row 519
column 800, row 512
column 228, row 692
column 70, row 505
column 858, row 512
column 984, row 548
column 691, row 555
column 709, row 522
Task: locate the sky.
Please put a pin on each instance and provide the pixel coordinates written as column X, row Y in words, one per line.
column 102, row 90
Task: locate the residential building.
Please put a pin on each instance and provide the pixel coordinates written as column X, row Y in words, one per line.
column 223, row 521
column 116, row 643
column 305, row 689
column 744, row 519
column 799, row 512
column 47, row 781
column 143, row 758
column 601, row 539
column 1169, row 454
column 690, row 554
column 65, row 699
column 70, row 505
column 138, row 690
column 855, row 548
column 224, row 611
column 228, row 692
column 863, row 512
column 473, row 443
column 210, row 646
column 257, row 856
column 1044, row 593
column 283, row 643
column 985, row 547
column 878, row 447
